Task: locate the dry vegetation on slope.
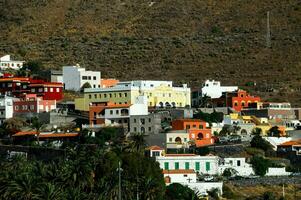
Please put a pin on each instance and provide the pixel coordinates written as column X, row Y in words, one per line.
column 184, row 41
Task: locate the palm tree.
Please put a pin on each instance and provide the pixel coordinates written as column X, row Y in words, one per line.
column 48, row 191
column 137, row 143
column 37, row 125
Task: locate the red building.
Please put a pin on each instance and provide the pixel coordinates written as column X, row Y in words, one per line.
column 18, row 86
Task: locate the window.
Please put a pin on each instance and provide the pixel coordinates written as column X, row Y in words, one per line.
column 235, row 104
column 194, row 126
column 51, row 89
column 31, row 107
column 197, row 166
column 117, row 112
column 135, row 120
column 170, row 139
column 135, row 129
column 105, row 95
column 169, row 94
column 166, row 165
column 243, row 104
column 200, row 126
column 45, row 89
column 94, row 86
column 186, row 165
column 155, row 153
column 238, row 163
column 150, row 103
column 110, row 95
column 40, row 89
column 89, row 77
column 94, row 77
column 142, row 121
column 99, row 95
column 149, row 128
column 120, row 95
column 187, row 126
column 57, row 89
column 95, row 96
column 84, row 78
column 111, row 112
column 16, row 107
column 149, row 120
column 33, row 90
column 90, row 96
column 207, row 166
column 185, row 139
column 9, row 85
column 176, row 165
column 125, row 94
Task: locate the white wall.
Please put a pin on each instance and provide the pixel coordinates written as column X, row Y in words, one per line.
column 181, row 178
column 204, row 187
column 272, row 171
column 213, row 89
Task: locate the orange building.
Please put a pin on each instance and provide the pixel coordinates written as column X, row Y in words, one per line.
column 187, row 124
column 243, row 100
column 196, row 128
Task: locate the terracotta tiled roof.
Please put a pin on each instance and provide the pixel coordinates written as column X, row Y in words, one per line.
column 189, row 120
column 175, row 155
column 155, row 148
column 179, row 171
column 290, row 143
column 50, row 135
column 16, row 79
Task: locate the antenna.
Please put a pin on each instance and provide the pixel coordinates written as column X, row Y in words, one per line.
column 268, row 37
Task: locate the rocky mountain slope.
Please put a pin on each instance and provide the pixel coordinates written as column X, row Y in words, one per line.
column 184, row 41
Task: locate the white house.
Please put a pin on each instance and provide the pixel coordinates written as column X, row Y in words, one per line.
column 7, row 63
column 245, row 169
column 6, row 108
column 214, row 89
column 74, row 77
column 201, row 164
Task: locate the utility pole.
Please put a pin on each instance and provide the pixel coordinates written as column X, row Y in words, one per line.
column 137, row 188
column 119, row 180
column 268, row 37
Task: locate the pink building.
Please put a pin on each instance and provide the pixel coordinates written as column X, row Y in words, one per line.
column 31, row 103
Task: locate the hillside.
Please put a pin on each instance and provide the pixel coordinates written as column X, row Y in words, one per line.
column 184, row 41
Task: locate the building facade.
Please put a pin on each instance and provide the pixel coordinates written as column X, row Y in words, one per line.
column 146, row 124
column 159, row 94
column 74, row 77
column 200, row 164
column 7, row 63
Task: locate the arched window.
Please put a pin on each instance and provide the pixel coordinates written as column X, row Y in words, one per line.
column 142, row 130
column 173, row 104
column 178, row 140
column 200, row 136
column 161, row 104
column 167, row 104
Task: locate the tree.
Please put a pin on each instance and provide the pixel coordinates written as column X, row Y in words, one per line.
column 260, row 165
column 37, row 125
column 34, row 66
column 178, row 191
column 137, row 143
column 229, row 172
column 13, row 125
column 257, row 131
column 260, row 143
column 274, row 132
column 85, row 85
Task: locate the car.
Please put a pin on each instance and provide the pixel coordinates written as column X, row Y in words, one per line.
column 208, row 178
column 223, row 140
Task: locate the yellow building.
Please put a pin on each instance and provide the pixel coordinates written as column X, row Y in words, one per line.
column 158, row 93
